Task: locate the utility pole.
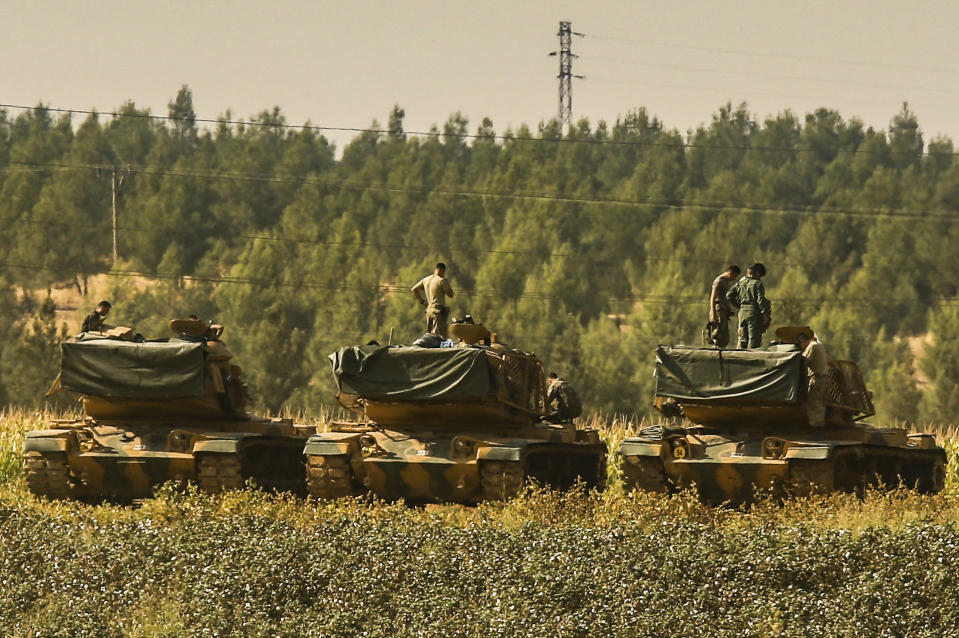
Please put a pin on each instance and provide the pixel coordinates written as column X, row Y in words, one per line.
column 566, row 76
column 117, row 182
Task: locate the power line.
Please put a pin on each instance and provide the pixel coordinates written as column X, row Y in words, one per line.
column 770, row 76
column 408, row 246
column 717, row 206
column 393, row 289
column 476, row 136
column 781, row 56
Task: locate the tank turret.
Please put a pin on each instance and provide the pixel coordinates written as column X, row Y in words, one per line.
column 158, row 410
column 191, row 375
column 459, row 424
column 751, row 427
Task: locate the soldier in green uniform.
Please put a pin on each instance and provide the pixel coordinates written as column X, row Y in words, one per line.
column 719, row 308
column 748, row 296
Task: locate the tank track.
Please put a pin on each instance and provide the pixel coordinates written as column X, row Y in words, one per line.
column 646, row 473
column 501, row 480
column 47, row 474
column 854, row 469
column 329, row 477
column 219, row 472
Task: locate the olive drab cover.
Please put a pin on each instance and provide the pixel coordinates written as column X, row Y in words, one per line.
column 462, row 424
column 768, row 375
column 147, row 370
column 752, row 426
column 413, row 374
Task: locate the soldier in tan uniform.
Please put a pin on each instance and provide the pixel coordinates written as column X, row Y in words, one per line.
column 436, row 289
column 719, row 308
column 817, row 365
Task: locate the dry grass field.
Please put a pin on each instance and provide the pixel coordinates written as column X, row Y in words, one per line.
column 545, row 564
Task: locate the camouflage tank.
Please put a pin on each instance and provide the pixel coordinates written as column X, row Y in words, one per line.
column 170, row 409
column 752, row 430
column 462, row 424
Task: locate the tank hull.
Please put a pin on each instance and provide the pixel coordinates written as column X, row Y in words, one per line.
column 735, row 468
column 451, row 464
column 124, row 459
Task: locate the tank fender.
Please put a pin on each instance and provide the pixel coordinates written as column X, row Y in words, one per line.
column 331, row 443
column 639, row 447
column 500, row 453
column 46, row 441
column 222, row 444
column 815, row 452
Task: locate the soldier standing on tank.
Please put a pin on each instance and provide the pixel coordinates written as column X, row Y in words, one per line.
column 817, row 366
column 94, row 320
column 748, row 296
column 562, row 393
column 719, row 308
column 436, row 288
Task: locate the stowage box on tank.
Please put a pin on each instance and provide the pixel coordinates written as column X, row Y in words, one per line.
column 752, row 430
column 459, row 424
column 170, row 409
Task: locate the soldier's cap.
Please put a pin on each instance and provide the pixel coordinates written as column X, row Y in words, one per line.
column 789, row 334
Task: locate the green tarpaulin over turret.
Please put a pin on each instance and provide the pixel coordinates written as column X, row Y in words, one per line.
column 149, row 370
column 413, row 374
column 766, row 375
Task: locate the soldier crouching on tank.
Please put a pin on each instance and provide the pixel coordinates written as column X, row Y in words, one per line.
column 94, row 321
column 562, row 393
column 818, row 368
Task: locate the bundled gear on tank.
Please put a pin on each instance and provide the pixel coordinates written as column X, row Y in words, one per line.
column 428, row 340
column 752, row 429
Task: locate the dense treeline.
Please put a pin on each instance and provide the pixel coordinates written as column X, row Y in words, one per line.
column 588, row 248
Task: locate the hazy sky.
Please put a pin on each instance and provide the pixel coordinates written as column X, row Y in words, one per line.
column 344, row 63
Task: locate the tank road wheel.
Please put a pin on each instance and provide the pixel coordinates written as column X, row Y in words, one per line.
column 501, row 480
column 47, row 474
column 645, row 473
column 329, row 477
column 218, row 472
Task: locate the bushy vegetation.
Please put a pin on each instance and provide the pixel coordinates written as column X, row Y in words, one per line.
column 545, row 564
column 588, row 248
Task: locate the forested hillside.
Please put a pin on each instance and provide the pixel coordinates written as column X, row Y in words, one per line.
column 589, row 248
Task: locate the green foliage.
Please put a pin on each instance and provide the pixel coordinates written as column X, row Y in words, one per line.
column 29, row 363
column 940, row 363
column 588, row 250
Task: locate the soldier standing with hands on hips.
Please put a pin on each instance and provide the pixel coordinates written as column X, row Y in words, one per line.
column 436, row 288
